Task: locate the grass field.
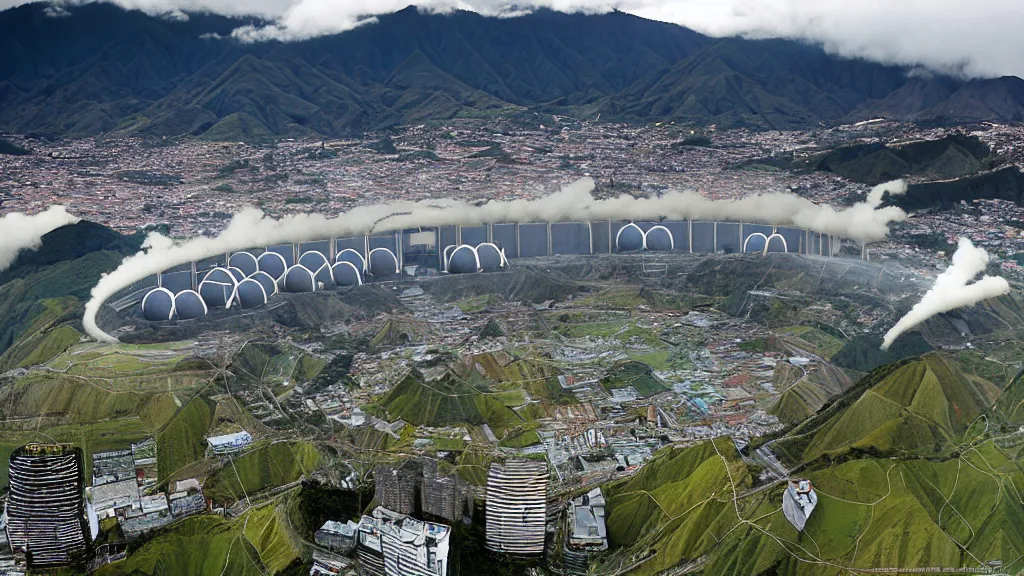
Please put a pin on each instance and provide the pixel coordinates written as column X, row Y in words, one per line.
column 260, row 469
column 812, row 339
column 278, row 367
column 256, row 544
column 266, row 529
column 871, row 513
column 90, row 437
column 39, row 348
column 633, row 374
column 447, row 401
column 918, row 408
column 183, row 440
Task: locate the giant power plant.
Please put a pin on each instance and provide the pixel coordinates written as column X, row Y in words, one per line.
column 248, row 279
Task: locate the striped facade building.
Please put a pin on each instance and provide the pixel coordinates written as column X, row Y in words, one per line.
column 45, row 508
column 516, row 508
column 392, row 544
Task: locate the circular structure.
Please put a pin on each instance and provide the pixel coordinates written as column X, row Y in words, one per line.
column 298, row 278
column 245, row 262
column 382, row 263
column 776, row 243
column 222, row 275
column 250, row 293
column 217, row 294
column 273, row 264
column 238, row 274
column 320, row 266
column 756, row 242
column 630, row 238
column 158, row 304
column 353, row 257
column 313, row 261
column 659, row 239
column 346, row 274
column 268, row 283
column 464, row 260
column 491, row 258
column 188, row 305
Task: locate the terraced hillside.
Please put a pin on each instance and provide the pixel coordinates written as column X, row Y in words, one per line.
column 918, row 407
column 279, row 367
column 268, row 466
column 450, row 400
column 698, row 507
column 254, row 544
column 99, row 397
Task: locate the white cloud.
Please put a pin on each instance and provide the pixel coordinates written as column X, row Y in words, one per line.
column 971, row 37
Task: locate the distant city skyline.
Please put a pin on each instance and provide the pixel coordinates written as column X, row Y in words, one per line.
column 970, row 39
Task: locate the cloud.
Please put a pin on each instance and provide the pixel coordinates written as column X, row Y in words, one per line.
column 953, row 289
column 863, row 221
column 20, row 231
column 966, row 37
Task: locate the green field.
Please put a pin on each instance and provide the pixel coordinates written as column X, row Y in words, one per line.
column 814, row 340
column 256, row 544
column 183, row 440
column 278, row 367
column 917, row 408
column 447, row 401
column 634, row 374
column 39, row 348
column 871, row 513
column 266, row 467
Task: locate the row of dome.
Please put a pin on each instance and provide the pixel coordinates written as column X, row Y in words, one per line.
column 632, row 238
column 249, row 281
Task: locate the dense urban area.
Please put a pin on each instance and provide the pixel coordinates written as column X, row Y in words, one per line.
column 650, row 413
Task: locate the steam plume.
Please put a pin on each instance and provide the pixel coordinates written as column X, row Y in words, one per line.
column 250, row 227
column 20, row 231
column 951, row 290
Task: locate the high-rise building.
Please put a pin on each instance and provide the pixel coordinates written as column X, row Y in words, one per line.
column 516, row 508
column 391, row 544
column 445, row 496
column 397, row 487
column 45, row 510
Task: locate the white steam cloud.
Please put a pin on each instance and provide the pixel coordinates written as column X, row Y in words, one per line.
column 20, row 231
column 943, row 35
column 952, row 290
column 249, row 228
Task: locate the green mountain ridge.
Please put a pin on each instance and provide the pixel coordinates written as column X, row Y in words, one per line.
column 136, row 74
column 914, row 407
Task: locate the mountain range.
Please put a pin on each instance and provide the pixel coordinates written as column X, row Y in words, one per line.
column 101, row 69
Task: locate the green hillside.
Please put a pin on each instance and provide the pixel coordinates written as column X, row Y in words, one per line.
column 446, row 401
column 915, row 407
column 872, row 513
column 278, row 367
column 946, row 158
column 266, row 467
column 803, row 395
column 637, row 375
column 51, row 292
column 668, row 512
column 12, row 149
column 183, row 440
column 1009, row 408
column 863, row 353
column 39, row 347
column 255, row 544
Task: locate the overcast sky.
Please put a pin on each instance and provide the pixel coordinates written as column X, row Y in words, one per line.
column 971, row 37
